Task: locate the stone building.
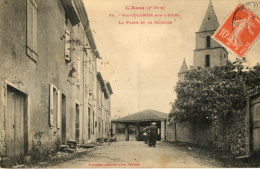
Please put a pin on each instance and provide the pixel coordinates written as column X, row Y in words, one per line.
column 47, row 76
column 104, row 92
column 183, row 69
column 238, row 135
column 207, row 51
column 107, row 111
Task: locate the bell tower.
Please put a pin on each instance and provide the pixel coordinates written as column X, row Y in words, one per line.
column 208, row 52
column 183, row 69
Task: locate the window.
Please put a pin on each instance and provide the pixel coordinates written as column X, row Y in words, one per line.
column 208, row 42
column 120, row 130
column 207, row 60
column 55, row 107
column 32, row 14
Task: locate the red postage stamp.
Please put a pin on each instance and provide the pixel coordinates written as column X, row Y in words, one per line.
column 239, row 31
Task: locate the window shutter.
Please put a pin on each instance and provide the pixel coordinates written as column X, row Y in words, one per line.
column 67, row 45
column 59, row 110
column 78, row 71
column 29, row 24
column 51, row 106
column 35, row 26
column 32, row 29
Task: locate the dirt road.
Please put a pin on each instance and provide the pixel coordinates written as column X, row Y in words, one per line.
column 137, row 154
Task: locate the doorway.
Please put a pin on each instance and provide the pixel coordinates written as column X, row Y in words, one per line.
column 77, row 123
column 255, row 127
column 63, row 119
column 16, row 124
column 89, row 129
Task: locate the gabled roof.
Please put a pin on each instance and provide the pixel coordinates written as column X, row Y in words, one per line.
column 146, row 115
column 210, row 21
column 184, row 67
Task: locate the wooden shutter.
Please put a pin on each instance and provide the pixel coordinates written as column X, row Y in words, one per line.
column 59, row 110
column 32, row 29
column 29, row 24
column 35, row 15
column 78, row 71
column 67, row 45
column 51, row 114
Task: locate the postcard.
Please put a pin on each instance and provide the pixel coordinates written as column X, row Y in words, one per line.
column 129, row 83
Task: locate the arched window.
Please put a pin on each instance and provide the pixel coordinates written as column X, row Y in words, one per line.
column 207, row 61
column 208, row 42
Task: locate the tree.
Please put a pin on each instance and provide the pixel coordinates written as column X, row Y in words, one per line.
column 220, row 92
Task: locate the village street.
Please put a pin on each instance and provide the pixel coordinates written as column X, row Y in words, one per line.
column 137, row 154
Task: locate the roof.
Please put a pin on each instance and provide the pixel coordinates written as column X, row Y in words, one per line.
column 102, row 84
column 79, row 5
column 184, row 67
column 109, row 88
column 146, row 115
column 71, row 14
column 100, row 78
column 210, row 21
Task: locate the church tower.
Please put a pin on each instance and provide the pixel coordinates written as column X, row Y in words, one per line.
column 182, row 71
column 208, row 52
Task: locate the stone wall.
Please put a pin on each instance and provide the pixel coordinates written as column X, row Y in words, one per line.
column 229, row 135
column 188, row 133
column 35, row 76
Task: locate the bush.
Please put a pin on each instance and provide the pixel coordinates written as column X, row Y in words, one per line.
column 220, row 93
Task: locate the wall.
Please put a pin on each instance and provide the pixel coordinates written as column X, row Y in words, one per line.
column 218, row 55
column 50, row 68
column 201, row 40
column 189, row 134
column 119, row 129
column 121, row 137
column 229, row 135
column 15, row 66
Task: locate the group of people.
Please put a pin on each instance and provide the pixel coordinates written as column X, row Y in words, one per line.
column 151, row 134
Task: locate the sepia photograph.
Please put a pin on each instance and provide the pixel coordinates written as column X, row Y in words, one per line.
column 129, row 84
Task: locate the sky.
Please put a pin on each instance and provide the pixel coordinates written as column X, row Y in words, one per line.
column 141, row 61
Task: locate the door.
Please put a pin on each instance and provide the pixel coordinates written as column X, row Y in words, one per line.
column 89, row 129
column 77, row 123
column 63, row 119
column 255, row 114
column 15, row 124
column 99, row 127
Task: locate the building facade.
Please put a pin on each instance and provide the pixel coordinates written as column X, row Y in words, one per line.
column 48, row 82
column 104, row 92
column 208, row 52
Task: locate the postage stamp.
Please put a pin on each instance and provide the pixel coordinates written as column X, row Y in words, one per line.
column 240, row 29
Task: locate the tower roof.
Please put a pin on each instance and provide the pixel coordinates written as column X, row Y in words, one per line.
column 146, row 115
column 184, row 67
column 210, row 21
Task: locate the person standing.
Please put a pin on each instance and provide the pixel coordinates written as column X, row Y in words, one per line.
column 153, row 134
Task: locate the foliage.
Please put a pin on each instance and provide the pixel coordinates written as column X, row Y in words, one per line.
column 214, row 93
